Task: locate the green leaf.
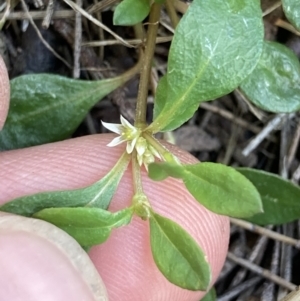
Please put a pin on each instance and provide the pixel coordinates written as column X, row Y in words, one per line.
column 177, row 255
column 211, row 295
column 292, row 11
column 216, row 46
column 274, row 85
column 280, row 198
column 89, row 226
column 161, row 94
column 98, row 194
column 46, row 108
column 219, row 188
column 131, row 12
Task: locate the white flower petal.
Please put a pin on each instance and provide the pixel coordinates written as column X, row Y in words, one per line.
column 114, row 127
column 130, row 146
column 141, row 145
column 140, row 160
column 154, row 151
column 116, row 141
column 126, row 123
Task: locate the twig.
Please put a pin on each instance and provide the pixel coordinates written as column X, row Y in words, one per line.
column 272, row 125
column 77, row 42
column 293, row 147
column 296, row 175
column 230, row 116
column 268, row 291
column 62, row 14
column 263, row 231
column 100, row 6
column 132, row 42
column 254, row 257
column 271, row 8
column 5, row 14
column 41, row 37
column 95, row 21
column 49, row 14
column 293, row 296
column 286, row 259
column 237, row 290
column 287, row 26
column 172, row 12
column 262, row 272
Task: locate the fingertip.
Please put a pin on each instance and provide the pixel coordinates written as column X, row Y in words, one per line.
column 4, row 92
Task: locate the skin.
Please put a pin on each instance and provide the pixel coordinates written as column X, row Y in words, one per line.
column 40, row 262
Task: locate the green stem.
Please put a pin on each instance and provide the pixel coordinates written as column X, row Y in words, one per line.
column 136, row 175
column 162, row 150
column 172, row 13
column 141, row 106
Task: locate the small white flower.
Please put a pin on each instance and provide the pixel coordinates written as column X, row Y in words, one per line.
column 127, row 132
column 145, row 152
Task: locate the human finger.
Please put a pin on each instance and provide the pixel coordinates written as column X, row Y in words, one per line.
column 4, row 92
column 124, row 261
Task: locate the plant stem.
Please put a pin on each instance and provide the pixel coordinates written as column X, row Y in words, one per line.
column 141, row 106
column 162, row 150
column 136, row 175
column 172, row 13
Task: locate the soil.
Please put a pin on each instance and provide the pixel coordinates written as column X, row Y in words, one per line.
column 219, row 131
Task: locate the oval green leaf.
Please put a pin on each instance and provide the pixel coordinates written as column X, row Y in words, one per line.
column 280, row 198
column 219, row 188
column 211, row 295
column 98, row 194
column 274, row 85
column 292, row 11
column 131, row 12
column 46, row 108
column 216, row 46
column 177, row 255
column 89, row 226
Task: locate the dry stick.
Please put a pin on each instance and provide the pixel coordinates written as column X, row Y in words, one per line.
column 77, row 42
column 286, row 250
column 287, row 26
column 41, row 37
column 294, row 146
column 293, row 296
column 239, row 121
column 259, row 114
column 181, row 6
column 62, row 14
column 172, row 12
column 262, row 272
column 296, row 175
column 263, row 231
column 5, row 14
column 95, row 21
column 49, row 14
column 255, row 257
column 100, row 6
column 286, row 259
column 271, row 8
column 284, row 142
column 272, row 125
column 268, row 291
column 167, row 26
column 236, row 291
column 132, row 42
column 100, row 33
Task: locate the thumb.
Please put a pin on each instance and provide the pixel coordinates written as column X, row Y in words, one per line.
column 4, row 92
column 125, row 261
column 41, row 262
